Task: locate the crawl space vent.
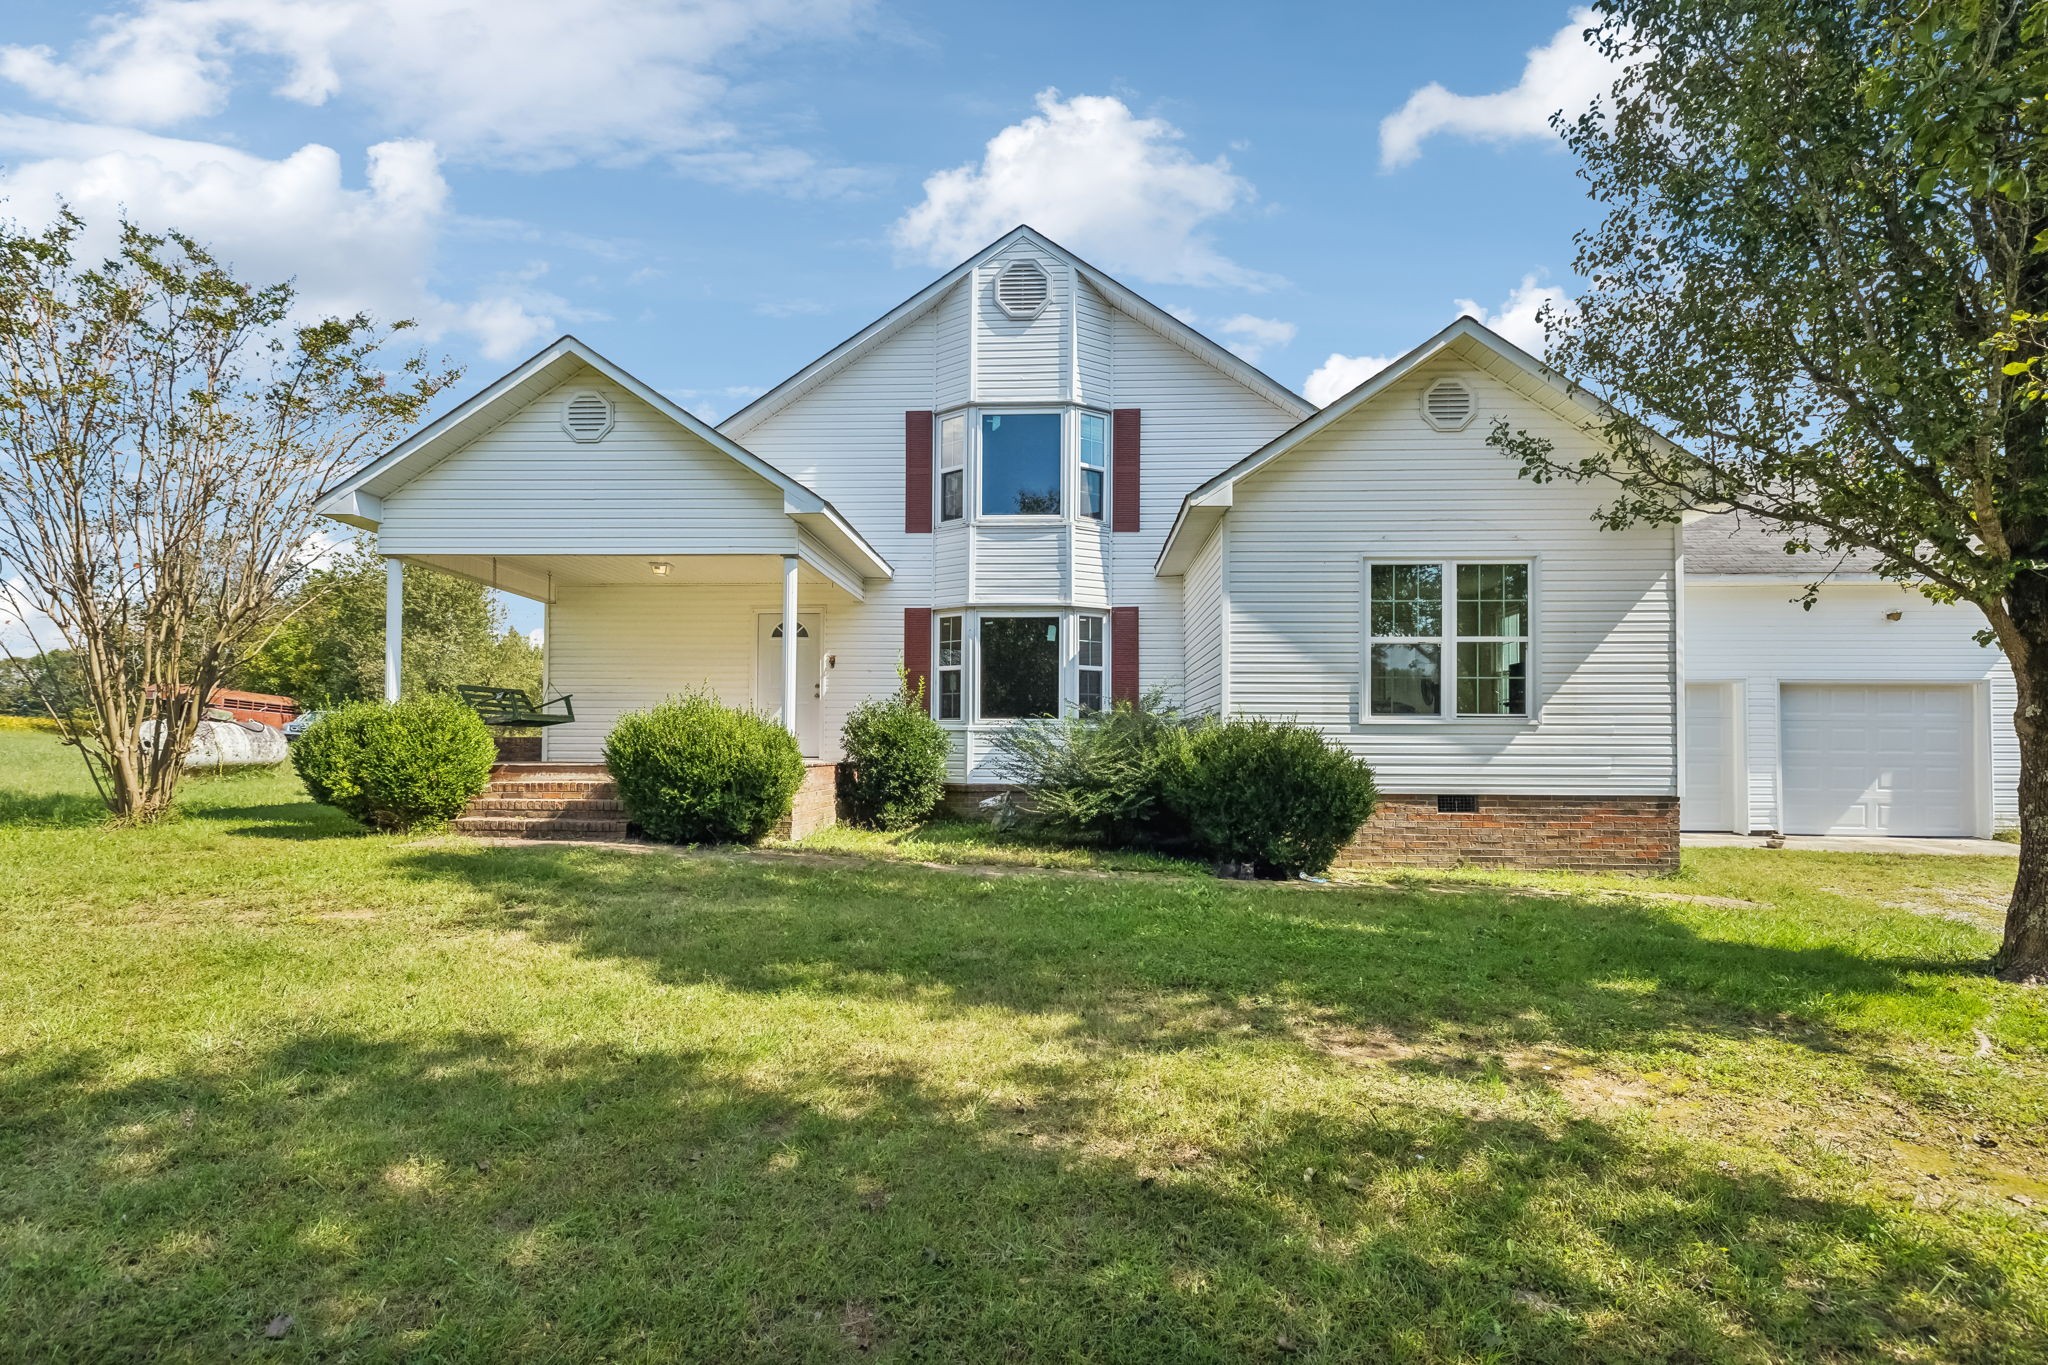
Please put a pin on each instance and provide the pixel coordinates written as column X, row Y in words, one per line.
column 1447, row 405
column 1022, row 288
column 587, row 416
column 1457, row 805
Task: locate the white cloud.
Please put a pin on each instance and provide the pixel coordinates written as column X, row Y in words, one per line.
column 25, row 630
column 1339, row 375
column 1119, row 189
column 1519, row 317
column 1567, row 73
column 522, row 82
column 369, row 248
column 1248, row 336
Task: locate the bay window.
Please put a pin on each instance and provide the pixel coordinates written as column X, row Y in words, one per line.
column 952, row 668
column 1018, row 664
column 1020, row 667
column 1094, row 462
column 1088, row 662
column 953, row 467
column 1470, row 617
column 1021, row 456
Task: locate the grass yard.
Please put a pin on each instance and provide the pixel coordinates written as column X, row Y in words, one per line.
column 271, row 1088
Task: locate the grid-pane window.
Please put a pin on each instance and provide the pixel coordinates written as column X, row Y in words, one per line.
column 1089, row 660
column 1094, row 462
column 1407, row 639
column 953, row 467
column 1020, row 464
column 951, row 670
column 1493, row 639
column 1019, row 667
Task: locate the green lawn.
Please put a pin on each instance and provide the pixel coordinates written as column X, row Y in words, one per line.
column 430, row 1098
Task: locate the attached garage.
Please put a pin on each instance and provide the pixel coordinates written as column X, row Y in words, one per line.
column 1878, row 759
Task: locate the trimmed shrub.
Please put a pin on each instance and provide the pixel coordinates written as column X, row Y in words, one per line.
column 897, row 756
column 694, row 771
column 1101, row 777
column 396, row 765
column 1274, row 795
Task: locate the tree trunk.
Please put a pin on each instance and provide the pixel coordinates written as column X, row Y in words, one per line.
column 2024, row 955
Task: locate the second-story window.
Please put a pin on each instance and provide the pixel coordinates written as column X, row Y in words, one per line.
column 1094, row 462
column 953, row 467
column 1020, row 464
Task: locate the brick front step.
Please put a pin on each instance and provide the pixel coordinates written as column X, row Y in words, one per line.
column 541, row 827
column 504, row 801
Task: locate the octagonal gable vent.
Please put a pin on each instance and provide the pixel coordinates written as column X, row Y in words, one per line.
column 587, row 415
column 1447, row 404
column 1022, row 289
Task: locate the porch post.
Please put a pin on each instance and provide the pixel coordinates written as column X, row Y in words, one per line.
column 789, row 629
column 394, row 625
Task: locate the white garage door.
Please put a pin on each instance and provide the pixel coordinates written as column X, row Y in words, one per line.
column 1709, row 799
column 1878, row 760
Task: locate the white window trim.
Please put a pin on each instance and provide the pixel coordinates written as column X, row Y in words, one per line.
column 1108, row 459
column 1068, row 441
column 1447, row 642
column 970, row 660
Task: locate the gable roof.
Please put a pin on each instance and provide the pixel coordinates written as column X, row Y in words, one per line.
column 1466, row 338
column 357, row 499
column 1118, row 296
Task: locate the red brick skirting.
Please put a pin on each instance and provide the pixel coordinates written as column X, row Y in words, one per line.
column 1584, row 833
column 816, row 805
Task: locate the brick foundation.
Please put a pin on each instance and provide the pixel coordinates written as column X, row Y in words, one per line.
column 964, row 798
column 1581, row 833
column 517, row 748
column 816, row 805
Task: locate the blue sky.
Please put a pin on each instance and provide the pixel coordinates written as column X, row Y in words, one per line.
column 714, row 191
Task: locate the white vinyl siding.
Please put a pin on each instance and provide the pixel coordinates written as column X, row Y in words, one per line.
column 1097, row 368
column 617, row 648
column 1757, row 637
column 1202, row 617
column 1384, row 485
column 524, row 488
column 1194, row 423
column 951, row 369
column 1021, row 361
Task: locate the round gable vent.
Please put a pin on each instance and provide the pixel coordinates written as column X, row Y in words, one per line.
column 1447, row 405
column 1022, row 289
column 587, row 416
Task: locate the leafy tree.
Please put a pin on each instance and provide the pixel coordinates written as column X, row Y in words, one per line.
column 25, row 683
column 1819, row 270
column 164, row 431
column 329, row 648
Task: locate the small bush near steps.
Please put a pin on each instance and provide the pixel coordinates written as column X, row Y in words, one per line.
column 896, row 754
column 396, row 765
column 695, row 771
column 1278, row 797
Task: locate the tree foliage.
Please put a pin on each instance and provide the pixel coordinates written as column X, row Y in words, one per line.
column 164, row 429
column 329, row 646
column 1819, row 273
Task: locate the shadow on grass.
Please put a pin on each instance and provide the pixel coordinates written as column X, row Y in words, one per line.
column 47, row 809
column 1182, row 958
column 468, row 1196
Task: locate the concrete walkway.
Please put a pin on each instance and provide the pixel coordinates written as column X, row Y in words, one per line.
column 1815, row 843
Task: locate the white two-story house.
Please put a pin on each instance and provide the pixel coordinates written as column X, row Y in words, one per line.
column 1037, row 492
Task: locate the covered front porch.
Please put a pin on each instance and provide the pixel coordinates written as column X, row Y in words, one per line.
column 623, row 632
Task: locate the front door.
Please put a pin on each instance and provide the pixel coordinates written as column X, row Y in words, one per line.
column 810, row 679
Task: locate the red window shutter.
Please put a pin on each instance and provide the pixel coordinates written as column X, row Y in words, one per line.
column 917, row 651
column 1123, row 654
column 1126, row 456
column 917, row 472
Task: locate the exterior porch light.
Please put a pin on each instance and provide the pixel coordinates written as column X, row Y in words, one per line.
column 660, row 567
